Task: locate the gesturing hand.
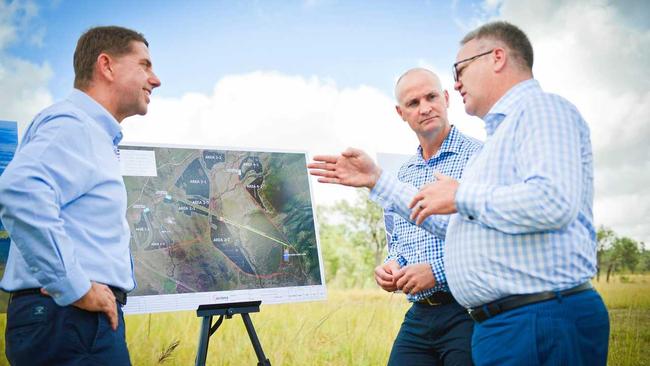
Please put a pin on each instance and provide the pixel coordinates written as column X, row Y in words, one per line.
column 352, row 168
column 438, row 197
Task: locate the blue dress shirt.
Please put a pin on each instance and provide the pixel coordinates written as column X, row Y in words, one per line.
column 524, row 221
column 411, row 242
column 63, row 202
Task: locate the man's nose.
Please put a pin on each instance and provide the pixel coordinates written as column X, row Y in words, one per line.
column 458, row 85
column 154, row 81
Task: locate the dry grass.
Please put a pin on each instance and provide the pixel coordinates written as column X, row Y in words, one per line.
column 353, row 327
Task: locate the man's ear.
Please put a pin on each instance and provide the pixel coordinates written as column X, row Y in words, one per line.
column 399, row 111
column 104, row 66
column 500, row 58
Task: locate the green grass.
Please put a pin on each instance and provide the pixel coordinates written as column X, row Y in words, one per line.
column 353, row 327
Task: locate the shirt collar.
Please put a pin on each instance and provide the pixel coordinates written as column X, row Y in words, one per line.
column 451, row 144
column 507, row 104
column 98, row 114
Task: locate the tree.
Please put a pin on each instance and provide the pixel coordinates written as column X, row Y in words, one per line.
column 605, row 237
column 353, row 242
column 365, row 220
column 644, row 260
column 624, row 254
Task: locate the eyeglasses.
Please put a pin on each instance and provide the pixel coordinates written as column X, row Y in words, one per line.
column 455, row 67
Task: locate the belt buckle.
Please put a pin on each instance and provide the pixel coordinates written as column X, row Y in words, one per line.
column 431, row 303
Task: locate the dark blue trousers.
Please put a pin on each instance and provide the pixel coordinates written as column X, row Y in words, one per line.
column 433, row 335
column 572, row 330
column 39, row 332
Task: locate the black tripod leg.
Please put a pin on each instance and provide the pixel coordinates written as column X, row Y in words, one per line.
column 261, row 359
column 204, row 339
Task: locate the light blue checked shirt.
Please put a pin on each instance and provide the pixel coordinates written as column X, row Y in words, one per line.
column 63, row 202
column 524, row 221
column 411, row 242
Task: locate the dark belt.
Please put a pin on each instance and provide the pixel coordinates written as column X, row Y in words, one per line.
column 437, row 298
column 120, row 295
column 486, row 311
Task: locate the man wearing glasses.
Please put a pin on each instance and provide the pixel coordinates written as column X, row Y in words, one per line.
column 521, row 248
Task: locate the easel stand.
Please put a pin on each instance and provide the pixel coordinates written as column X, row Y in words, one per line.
column 228, row 310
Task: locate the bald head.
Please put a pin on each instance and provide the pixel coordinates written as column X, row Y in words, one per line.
column 416, row 73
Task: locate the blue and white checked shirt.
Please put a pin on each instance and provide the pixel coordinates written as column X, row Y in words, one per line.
column 410, row 241
column 524, row 221
column 63, row 202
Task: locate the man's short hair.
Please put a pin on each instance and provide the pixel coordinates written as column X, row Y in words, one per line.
column 112, row 40
column 514, row 38
column 410, row 71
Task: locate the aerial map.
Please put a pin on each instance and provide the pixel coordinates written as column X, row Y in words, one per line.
column 210, row 220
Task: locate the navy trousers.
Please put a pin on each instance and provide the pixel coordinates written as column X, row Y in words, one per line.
column 40, row 332
column 572, row 330
column 433, row 335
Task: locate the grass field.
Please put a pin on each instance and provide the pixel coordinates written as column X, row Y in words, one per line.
column 353, row 327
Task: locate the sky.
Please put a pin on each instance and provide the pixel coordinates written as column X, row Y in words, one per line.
column 318, row 75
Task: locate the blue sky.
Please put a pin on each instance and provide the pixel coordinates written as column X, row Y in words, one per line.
column 318, row 75
column 198, row 42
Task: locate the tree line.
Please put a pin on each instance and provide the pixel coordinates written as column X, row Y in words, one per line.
column 353, row 243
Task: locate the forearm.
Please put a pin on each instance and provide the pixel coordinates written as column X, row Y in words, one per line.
column 394, row 195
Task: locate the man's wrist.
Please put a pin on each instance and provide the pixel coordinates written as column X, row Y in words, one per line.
column 374, row 177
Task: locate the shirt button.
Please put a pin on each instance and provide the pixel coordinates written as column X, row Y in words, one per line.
column 470, row 217
column 33, row 269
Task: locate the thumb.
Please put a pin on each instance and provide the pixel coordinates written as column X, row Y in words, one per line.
column 350, row 152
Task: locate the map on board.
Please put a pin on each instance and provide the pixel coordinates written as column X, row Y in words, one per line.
column 8, row 143
column 215, row 225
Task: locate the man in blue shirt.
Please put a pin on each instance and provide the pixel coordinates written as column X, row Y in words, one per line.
column 63, row 202
column 436, row 329
column 521, row 245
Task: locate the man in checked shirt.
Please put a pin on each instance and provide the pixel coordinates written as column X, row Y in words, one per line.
column 436, row 329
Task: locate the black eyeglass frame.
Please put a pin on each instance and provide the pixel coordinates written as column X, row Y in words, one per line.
column 455, row 69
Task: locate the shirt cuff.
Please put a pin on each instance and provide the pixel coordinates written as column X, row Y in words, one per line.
column 438, row 269
column 471, row 200
column 380, row 192
column 69, row 289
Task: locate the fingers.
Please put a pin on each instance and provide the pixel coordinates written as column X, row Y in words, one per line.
column 322, row 166
column 111, row 313
column 416, row 199
column 108, row 305
column 326, row 158
column 423, row 214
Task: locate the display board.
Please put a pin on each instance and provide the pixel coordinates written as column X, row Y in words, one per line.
column 212, row 225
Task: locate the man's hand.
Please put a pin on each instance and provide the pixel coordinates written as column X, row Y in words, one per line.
column 438, row 197
column 99, row 298
column 384, row 275
column 352, row 168
column 415, row 278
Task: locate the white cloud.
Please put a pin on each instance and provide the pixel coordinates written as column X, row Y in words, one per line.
column 24, row 84
column 272, row 111
column 595, row 53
